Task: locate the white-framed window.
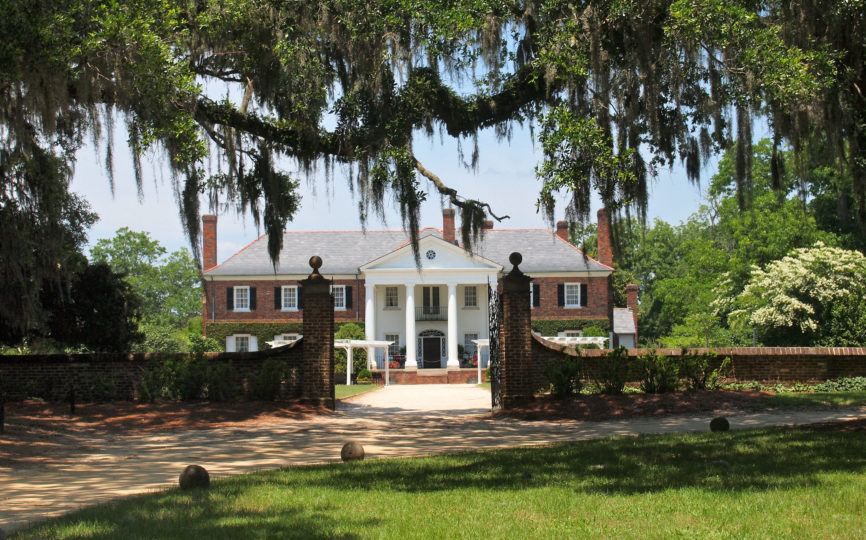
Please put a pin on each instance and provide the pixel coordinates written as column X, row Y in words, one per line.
column 286, row 337
column 242, row 298
column 572, row 295
column 572, row 333
column 391, row 298
column 241, row 343
column 339, row 292
column 290, row 298
column 469, row 346
column 470, row 296
column 393, row 348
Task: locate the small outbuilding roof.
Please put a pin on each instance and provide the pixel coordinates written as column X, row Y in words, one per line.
column 623, row 321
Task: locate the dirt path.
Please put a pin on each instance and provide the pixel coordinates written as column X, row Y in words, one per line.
column 394, row 421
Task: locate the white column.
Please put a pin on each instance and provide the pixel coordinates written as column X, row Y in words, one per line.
column 453, row 361
column 370, row 319
column 411, row 357
column 349, row 365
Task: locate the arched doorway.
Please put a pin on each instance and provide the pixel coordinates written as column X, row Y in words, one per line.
column 431, row 345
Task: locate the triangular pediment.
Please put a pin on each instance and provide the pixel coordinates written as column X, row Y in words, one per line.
column 436, row 255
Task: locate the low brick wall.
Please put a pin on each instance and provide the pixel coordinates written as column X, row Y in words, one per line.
column 94, row 376
column 769, row 365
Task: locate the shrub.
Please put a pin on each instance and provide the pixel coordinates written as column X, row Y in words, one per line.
column 364, row 375
column 594, row 331
column 847, row 384
column 697, row 372
column 613, row 371
column 268, row 382
column 658, row 373
column 220, row 381
column 189, row 375
column 564, row 374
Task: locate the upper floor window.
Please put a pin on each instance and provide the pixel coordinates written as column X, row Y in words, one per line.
column 391, row 298
column 470, row 296
column 339, row 292
column 572, row 295
column 290, row 297
column 242, row 298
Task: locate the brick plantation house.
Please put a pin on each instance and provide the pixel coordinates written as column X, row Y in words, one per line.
column 430, row 314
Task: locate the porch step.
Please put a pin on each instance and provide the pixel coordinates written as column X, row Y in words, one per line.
column 432, row 372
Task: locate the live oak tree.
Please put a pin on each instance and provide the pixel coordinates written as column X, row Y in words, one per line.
column 247, row 97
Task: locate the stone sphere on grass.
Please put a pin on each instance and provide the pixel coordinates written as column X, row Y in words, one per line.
column 719, row 423
column 352, row 451
column 194, row 477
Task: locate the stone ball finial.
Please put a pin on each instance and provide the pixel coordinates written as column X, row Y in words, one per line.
column 352, row 451
column 315, row 263
column 515, row 258
column 720, row 423
column 194, row 476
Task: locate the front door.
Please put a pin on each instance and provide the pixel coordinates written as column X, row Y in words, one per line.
column 432, row 352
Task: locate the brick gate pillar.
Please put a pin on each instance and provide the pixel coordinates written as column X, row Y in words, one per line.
column 317, row 367
column 515, row 337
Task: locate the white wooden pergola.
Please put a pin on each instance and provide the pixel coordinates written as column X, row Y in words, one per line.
column 351, row 344
column 480, row 344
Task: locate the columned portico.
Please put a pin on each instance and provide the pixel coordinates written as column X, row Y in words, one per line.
column 453, row 361
column 411, row 355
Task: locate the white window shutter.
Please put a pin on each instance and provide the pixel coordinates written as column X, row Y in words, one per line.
column 254, row 343
column 230, row 344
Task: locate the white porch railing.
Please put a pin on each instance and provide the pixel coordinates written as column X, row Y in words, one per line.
column 577, row 341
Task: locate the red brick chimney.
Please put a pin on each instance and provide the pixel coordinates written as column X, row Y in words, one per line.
column 631, row 301
column 562, row 230
column 488, row 224
column 209, row 241
column 448, row 225
column 605, row 251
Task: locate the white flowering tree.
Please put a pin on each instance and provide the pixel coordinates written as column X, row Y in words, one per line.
column 813, row 296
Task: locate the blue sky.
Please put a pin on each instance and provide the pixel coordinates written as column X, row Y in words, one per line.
column 505, row 178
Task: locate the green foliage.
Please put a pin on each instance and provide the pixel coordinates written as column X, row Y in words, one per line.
column 564, row 374
column 804, row 298
column 220, row 381
column 100, row 313
column 199, row 344
column 658, row 373
column 161, row 339
column 552, row 327
column 267, row 384
column 614, row 369
column 698, row 371
column 364, row 375
column 169, row 286
column 359, row 356
column 848, row 384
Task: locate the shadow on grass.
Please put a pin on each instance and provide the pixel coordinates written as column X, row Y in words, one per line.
column 734, row 461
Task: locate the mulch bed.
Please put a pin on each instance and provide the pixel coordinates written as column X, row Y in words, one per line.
column 606, row 407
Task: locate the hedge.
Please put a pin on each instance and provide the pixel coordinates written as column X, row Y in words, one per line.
column 552, row 327
column 264, row 331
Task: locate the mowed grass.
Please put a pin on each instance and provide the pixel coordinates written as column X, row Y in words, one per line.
column 810, row 399
column 343, row 390
column 771, row 483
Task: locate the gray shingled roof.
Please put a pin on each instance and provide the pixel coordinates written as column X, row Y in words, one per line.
column 623, row 321
column 343, row 252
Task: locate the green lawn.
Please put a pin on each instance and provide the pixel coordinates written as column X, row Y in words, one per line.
column 745, row 484
column 802, row 399
column 343, row 390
